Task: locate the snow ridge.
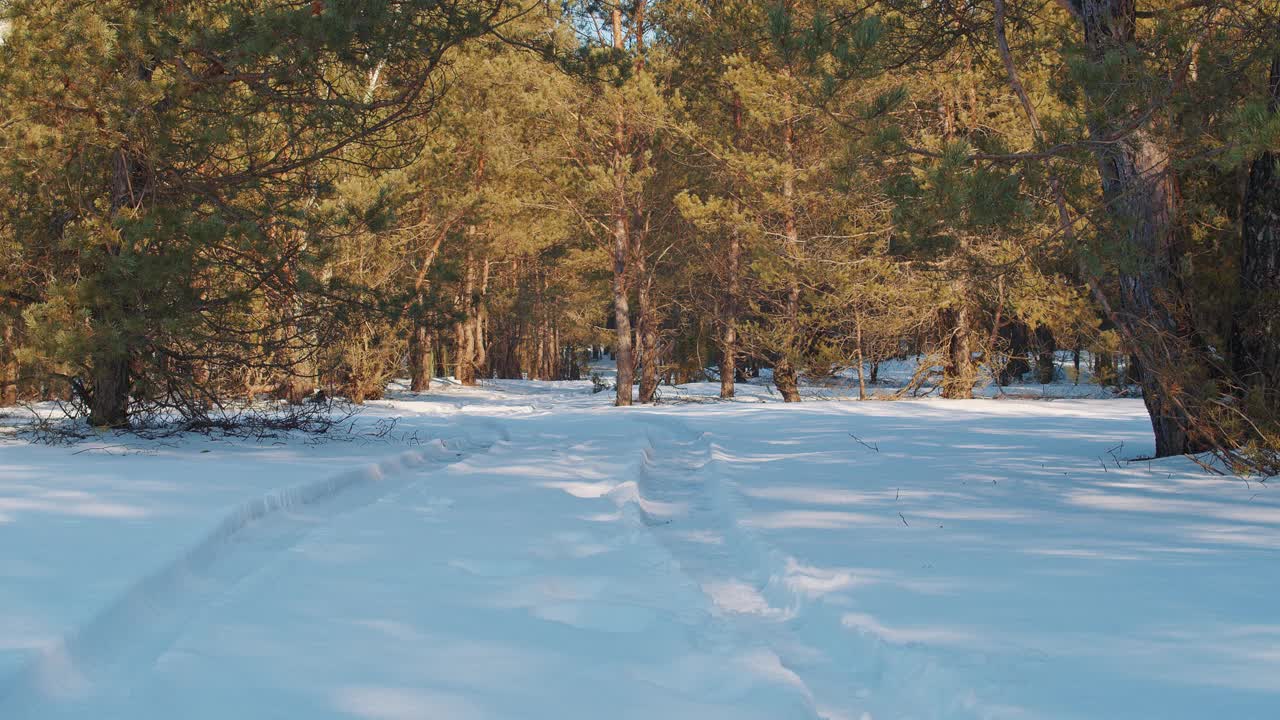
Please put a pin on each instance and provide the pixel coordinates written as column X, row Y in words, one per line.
column 672, row 451
column 87, row 665
column 686, row 496
column 673, row 489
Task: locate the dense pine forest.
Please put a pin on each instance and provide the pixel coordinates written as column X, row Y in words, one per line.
column 207, row 206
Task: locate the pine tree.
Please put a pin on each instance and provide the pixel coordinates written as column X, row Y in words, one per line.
column 184, row 143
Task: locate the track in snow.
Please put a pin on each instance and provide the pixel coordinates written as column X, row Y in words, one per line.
column 94, row 661
column 688, row 499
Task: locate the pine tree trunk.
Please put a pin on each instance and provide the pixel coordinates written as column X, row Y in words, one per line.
column 469, row 350
column 464, row 329
column 296, row 377
column 1016, row 364
column 109, row 399
column 1145, row 210
column 622, row 313
column 550, row 349
column 8, row 363
column 1046, row 361
column 1256, row 337
column 785, row 376
column 538, row 349
column 481, row 330
column 1142, row 203
column 459, row 351
column 130, row 186
column 862, row 383
column 514, row 369
column 649, row 356
column 729, row 320
column 647, row 330
column 423, row 359
column 482, row 369
column 733, row 288
column 728, row 363
column 1104, row 369
column 109, row 376
column 552, row 353
column 621, row 245
column 1133, row 370
column 561, row 371
column 786, row 379
column 957, row 371
column 475, row 345
column 421, row 362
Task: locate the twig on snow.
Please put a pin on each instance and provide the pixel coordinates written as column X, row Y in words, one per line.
column 1112, row 452
column 873, row 446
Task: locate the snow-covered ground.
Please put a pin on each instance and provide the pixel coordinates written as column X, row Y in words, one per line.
column 523, row 550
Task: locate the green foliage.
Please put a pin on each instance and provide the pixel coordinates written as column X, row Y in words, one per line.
column 265, row 197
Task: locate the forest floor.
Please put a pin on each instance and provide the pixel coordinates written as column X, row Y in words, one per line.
column 524, row 550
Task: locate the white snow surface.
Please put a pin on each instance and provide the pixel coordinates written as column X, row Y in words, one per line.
column 524, row 550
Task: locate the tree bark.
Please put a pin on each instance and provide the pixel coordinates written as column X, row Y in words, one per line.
column 560, row 372
column 1142, row 203
column 480, row 324
column 109, row 398
column 421, row 361
column 733, row 289
column 1256, row 337
column 1046, row 360
column 647, row 330
column 537, row 365
column 8, row 362
column 857, row 332
column 622, row 315
column 109, row 394
column 959, row 373
column 729, row 319
column 621, row 246
column 464, row 329
column 957, row 370
column 1104, row 369
column 1016, row 365
column 785, row 375
column 1133, row 370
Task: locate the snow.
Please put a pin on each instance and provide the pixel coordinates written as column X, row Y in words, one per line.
column 523, row 550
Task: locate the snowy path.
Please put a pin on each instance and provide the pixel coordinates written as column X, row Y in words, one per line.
column 551, row 557
column 701, row 516
column 82, row 671
column 435, row 600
